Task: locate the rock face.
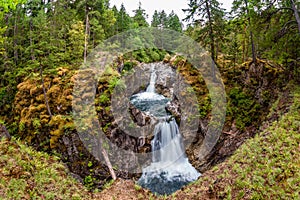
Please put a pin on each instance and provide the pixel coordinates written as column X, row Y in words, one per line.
column 3, row 132
column 173, row 107
column 139, row 117
column 138, row 83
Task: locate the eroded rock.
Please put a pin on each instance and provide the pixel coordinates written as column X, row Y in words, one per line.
column 3, row 132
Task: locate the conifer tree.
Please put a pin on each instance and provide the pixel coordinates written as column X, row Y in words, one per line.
column 155, row 19
column 174, row 22
column 123, row 20
column 209, row 13
column 140, row 17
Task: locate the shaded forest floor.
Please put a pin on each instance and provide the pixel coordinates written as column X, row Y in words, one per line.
column 265, row 167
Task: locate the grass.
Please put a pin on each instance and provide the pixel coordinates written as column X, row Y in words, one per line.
column 265, row 167
column 28, row 174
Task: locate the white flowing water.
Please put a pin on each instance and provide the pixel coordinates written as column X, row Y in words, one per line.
column 170, row 169
column 151, row 87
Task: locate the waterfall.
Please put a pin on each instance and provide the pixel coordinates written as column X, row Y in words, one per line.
column 170, row 169
column 167, row 143
column 151, row 87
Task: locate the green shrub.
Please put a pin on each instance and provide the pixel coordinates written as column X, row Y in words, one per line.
column 242, row 107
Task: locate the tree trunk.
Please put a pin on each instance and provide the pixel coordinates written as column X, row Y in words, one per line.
column 108, row 163
column 244, row 45
column 15, row 39
column 100, row 142
column 31, row 40
column 44, row 91
column 5, row 43
column 252, row 47
column 86, row 35
column 251, row 33
column 296, row 14
column 212, row 44
column 217, row 50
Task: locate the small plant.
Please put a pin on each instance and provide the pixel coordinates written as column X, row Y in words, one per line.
column 108, row 184
column 137, row 187
column 104, row 98
column 128, row 66
column 90, row 164
column 141, row 196
column 242, row 107
column 36, row 124
column 105, row 128
column 89, row 181
column 37, row 175
column 21, row 126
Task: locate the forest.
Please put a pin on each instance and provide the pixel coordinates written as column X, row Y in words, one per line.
column 254, row 57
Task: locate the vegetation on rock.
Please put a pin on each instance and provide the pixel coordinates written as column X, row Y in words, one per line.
column 44, row 43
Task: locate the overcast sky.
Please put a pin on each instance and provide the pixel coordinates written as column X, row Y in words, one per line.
column 168, row 5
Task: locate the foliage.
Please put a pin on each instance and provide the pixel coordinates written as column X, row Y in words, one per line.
column 208, row 15
column 140, row 17
column 242, row 107
column 51, row 35
column 123, row 20
column 162, row 20
column 27, row 174
column 268, row 165
column 146, row 55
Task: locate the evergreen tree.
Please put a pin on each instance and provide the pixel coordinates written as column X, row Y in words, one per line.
column 99, row 20
column 140, row 17
column 123, row 20
column 174, row 22
column 209, row 12
column 5, row 7
column 7, row 68
column 247, row 10
column 155, row 19
column 163, row 19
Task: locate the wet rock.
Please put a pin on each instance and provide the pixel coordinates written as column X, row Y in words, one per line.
column 165, row 78
column 174, row 108
column 138, row 116
column 160, row 185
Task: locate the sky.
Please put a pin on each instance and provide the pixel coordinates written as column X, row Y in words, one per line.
column 168, row 5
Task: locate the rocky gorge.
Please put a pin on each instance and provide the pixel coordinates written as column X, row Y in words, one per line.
column 57, row 134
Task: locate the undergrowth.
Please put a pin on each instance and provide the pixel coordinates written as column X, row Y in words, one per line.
column 267, row 167
column 28, row 174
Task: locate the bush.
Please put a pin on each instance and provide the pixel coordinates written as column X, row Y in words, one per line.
column 242, row 107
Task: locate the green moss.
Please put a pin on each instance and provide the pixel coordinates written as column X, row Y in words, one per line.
column 204, row 106
column 89, row 182
column 146, row 55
